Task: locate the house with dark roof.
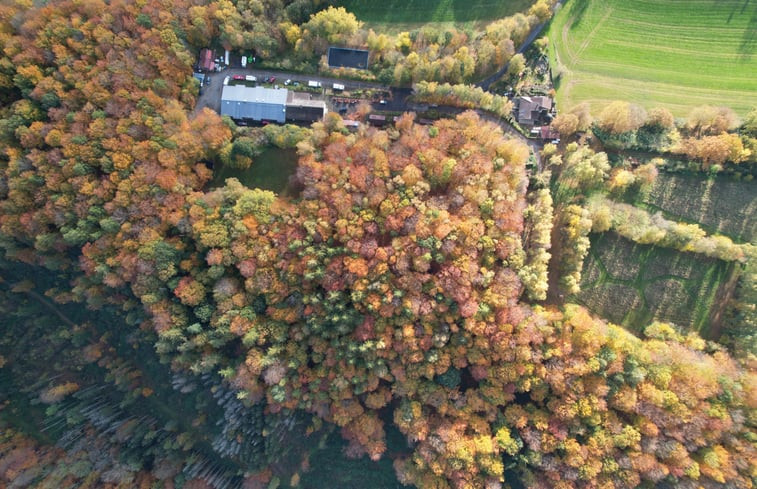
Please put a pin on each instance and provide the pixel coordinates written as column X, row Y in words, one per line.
column 348, row 58
column 301, row 107
column 530, row 111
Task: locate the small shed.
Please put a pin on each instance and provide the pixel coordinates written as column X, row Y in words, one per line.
column 377, row 120
column 348, row 58
column 206, row 62
column 548, row 133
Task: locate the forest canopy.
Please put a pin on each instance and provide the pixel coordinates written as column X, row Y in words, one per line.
column 387, row 292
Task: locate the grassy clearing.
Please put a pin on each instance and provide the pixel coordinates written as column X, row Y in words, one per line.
column 412, row 13
column 269, row 171
column 718, row 205
column 672, row 53
column 632, row 284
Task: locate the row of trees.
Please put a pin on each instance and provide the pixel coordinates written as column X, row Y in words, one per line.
column 427, row 53
column 706, row 135
column 641, row 227
column 464, row 96
column 535, row 271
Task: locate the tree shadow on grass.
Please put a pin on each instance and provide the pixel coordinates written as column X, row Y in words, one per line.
column 742, row 8
column 576, row 10
column 748, row 44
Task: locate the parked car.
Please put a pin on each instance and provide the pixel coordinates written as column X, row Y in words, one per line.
column 207, row 80
column 238, row 77
column 314, row 84
column 250, row 78
column 226, row 80
column 272, row 79
column 288, row 82
column 244, row 61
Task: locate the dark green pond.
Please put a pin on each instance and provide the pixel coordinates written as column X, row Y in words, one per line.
column 270, row 171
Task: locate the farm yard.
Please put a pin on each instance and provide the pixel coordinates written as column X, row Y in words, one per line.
column 632, row 285
column 413, row 13
column 674, row 53
column 719, row 205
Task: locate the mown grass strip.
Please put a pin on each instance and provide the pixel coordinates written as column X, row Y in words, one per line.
column 673, row 53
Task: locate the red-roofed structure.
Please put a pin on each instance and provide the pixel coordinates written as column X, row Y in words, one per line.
column 206, row 60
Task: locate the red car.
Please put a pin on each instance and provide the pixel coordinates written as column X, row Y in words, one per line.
column 272, row 79
column 237, row 77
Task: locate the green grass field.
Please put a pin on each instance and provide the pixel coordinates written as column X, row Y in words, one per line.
column 632, row 285
column 673, row 53
column 417, row 12
column 269, row 171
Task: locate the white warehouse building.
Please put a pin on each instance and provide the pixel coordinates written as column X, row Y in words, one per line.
column 254, row 104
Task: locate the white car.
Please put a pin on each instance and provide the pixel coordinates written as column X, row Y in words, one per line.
column 244, row 61
column 226, row 80
column 250, row 78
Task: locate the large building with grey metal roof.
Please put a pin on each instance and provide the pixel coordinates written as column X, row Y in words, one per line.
column 244, row 103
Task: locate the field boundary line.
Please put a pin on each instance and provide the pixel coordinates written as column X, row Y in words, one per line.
column 593, row 33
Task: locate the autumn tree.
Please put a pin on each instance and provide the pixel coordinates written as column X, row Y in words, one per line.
column 619, row 117
column 566, row 124
column 710, row 121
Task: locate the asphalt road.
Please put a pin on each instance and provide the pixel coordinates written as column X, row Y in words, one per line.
column 486, row 83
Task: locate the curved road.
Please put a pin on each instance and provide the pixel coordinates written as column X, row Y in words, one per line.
column 486, row 82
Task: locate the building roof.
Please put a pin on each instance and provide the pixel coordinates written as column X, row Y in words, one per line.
column 542, row 101
column 206, row 60
column 258, row 103
column 301, row 99
column 529, row 108
column 547, row 132
column 348, row 58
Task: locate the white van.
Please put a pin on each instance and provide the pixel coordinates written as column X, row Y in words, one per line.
column 314, row 84
column 338, row 86
column 226, row 80
column 244, row 61
column 250, row 78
